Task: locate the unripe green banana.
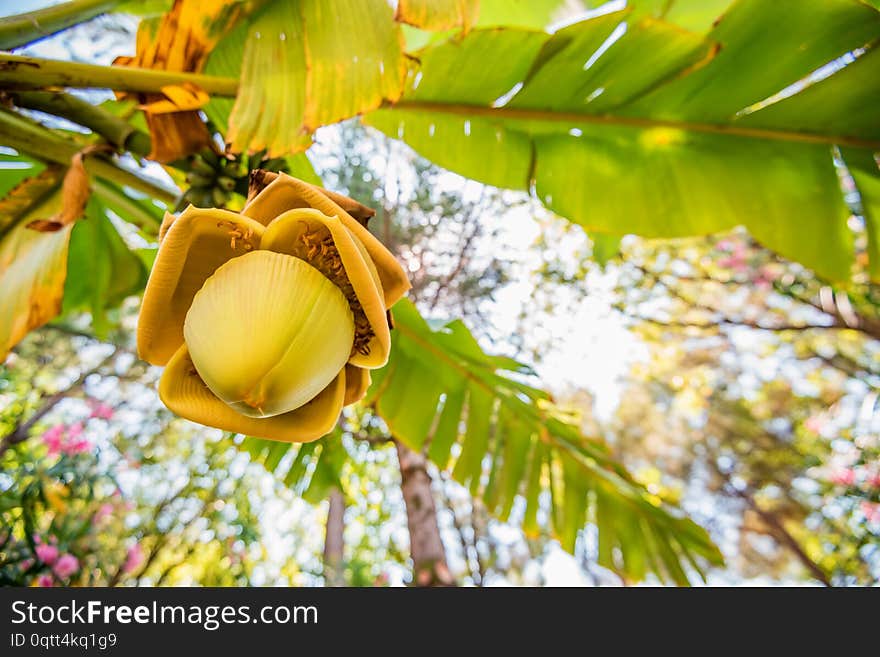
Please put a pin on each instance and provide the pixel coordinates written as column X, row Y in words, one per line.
column 203, row 199
column 219, row 197
column 200, row 180
column 200, row 166
column 210, row 156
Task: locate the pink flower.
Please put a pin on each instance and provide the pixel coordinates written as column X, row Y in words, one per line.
column 101, row 411
column 53, row 439
column 814, row 424
column 873, row 480
column 45, row 581
column 48, row 554
column 66, row 439
column 769, row 274
column 104, row 511
column 66, row 566
column 26, row 564
column 844, row 477
column 75, row 443
column 133, row 559
column 79, row 446
column 871, row 511
column 735, row 262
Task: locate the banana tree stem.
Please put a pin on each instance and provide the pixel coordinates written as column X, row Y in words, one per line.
column 19, row 72
column 22, row 135
column 117, row 131
column 20, row 29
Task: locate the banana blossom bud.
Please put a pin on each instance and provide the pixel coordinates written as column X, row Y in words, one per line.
column 268, row 321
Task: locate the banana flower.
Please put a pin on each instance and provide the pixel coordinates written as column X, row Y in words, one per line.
column 268, row 321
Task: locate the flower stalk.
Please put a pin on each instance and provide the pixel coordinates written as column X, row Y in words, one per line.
column 118, row 132
column 40, row 143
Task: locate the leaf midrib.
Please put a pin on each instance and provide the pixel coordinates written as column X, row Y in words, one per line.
column 43, row 73
column 555, row 116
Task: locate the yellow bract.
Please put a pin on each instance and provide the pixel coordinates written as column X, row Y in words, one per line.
column 194, row 246
column 300, row 233
column 286, row 193
column 288, row 336
column 184, row 393
column 269, row 320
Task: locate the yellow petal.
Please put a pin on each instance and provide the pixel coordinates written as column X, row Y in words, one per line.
column 285, row 235
column 185, row 394
column 286, row 193
column 357, row 381
column 261, row 178
column 193, row 247
column 167, row 221
column 267, row 332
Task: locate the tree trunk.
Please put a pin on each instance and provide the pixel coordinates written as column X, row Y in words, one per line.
column 334, row 544
column 426, row 547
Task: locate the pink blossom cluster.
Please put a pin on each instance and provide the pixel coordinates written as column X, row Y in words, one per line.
column 871, row 511
column 815, row 423
column 869, row 479
column 64, row 439
column 134, row 559
column 765, row 278
column 69, row 439
column 100, row 410
column 63, row 565
column 843, row 477
column 104, row 511
column 736, row 258
column 66, row 566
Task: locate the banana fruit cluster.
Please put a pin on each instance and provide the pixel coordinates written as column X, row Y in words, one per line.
column 212, row 179
column 268, row 321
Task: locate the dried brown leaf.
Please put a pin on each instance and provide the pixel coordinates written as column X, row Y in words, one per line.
column 26, row 195
column 181, row 42
column 74, row 196
column 33, row 265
